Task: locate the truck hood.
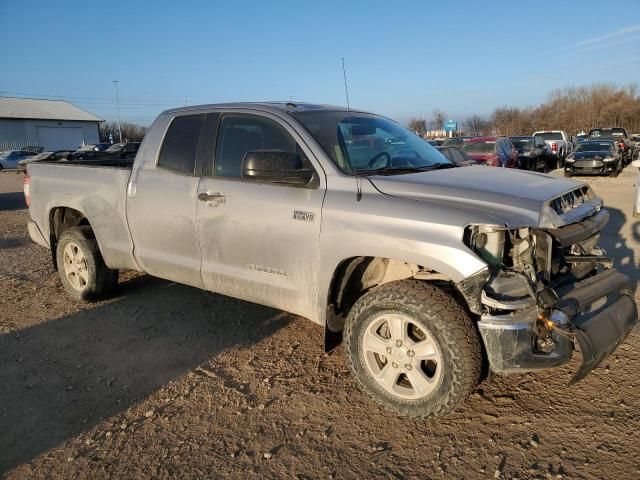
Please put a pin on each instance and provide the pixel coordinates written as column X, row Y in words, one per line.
column 511, row 197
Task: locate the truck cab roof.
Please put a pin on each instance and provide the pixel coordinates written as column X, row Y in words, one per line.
column 273, row 107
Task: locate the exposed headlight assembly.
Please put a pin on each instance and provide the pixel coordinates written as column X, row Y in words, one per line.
column 487, row 241
column 497, row 245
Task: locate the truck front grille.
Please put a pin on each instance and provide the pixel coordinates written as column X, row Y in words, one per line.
column 570, row 200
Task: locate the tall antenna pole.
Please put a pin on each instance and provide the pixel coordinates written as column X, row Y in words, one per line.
column 115, row 85
column 355, row 167
column 346, row 88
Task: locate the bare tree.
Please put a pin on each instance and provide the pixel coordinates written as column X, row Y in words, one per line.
column 418, row 125
column 476, row 125
column 130, row 132
column 572, row 109
column 439, row 117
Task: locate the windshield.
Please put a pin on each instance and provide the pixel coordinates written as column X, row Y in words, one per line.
column 549, row 135
column 116, row 147
column 361, row 141
column 86, row 148
column 479, row 147
column 607, row 132
column 593, row 147
column 522, row 143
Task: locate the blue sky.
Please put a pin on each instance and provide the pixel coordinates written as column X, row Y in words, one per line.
column 403, row 58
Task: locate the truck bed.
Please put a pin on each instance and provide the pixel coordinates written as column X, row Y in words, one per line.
column 97, row 189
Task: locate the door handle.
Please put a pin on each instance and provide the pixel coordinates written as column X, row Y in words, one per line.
column 215, row 198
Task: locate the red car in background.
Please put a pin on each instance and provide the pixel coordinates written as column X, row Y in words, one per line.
column 492, row 151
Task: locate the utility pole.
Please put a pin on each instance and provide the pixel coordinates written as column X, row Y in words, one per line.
column 115, row 85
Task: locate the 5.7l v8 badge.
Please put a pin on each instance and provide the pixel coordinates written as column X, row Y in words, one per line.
column 303, row 216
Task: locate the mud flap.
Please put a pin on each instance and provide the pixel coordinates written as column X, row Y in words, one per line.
column 599, row 335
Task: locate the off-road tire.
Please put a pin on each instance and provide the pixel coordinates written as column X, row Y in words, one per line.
column 449, row 324
column 101, row 279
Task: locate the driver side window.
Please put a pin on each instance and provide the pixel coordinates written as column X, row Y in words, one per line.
column 241, row 133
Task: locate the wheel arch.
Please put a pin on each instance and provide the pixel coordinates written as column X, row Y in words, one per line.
column 354, row 276
column 61, row 218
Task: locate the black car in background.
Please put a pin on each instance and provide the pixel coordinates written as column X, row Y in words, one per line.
column 455, row 141
column 53, row 156
column 532, row 153
column 456, row 155
column 621, row 138
column 97, row 147
column 595, row 157
column 115, row 151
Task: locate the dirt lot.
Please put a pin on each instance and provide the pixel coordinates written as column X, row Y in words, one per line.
column 169, row 381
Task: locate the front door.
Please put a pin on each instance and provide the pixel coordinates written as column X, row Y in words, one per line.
column 259, row 241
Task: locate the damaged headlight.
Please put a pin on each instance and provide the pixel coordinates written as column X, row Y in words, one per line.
column 497, row 245
column 487, row 241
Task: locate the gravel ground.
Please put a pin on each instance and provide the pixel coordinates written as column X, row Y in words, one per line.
column 168, row 381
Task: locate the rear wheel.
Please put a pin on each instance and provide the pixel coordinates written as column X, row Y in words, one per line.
column 413, row 348
column 81, row 268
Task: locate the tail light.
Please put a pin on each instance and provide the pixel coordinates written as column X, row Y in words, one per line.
column 27, row 191
column 621, row 145
column 554, row 147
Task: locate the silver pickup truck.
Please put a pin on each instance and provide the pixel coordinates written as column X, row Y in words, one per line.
column 427, row 270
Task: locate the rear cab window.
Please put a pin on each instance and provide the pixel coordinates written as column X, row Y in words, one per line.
column 549, row 135
column 180, row 144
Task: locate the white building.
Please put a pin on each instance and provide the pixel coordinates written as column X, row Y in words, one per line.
column 50, row 124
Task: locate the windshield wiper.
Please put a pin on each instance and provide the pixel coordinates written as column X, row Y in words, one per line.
column 406, row 169
column 439, row 166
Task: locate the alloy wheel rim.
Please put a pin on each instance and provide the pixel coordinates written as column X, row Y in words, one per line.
column 75, row 266
column 402, row 356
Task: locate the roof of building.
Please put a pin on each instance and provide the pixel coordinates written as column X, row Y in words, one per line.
column 35, row 108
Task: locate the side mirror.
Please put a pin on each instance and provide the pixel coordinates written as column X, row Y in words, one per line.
column 636, row 163
column 275, row 166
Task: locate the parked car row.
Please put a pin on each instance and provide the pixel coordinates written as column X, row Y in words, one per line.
column 117, row 152
column 602, row 151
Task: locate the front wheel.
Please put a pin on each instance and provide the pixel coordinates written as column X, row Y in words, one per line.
column 413, row 348
column 81, row 268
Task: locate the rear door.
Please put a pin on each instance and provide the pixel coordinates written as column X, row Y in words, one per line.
column 259, row 241
column 161, row 207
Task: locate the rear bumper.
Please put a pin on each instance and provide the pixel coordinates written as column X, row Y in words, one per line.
column 36, row 234
column 596, row 313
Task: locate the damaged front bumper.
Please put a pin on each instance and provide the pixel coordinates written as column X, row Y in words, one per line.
column 597, row 312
